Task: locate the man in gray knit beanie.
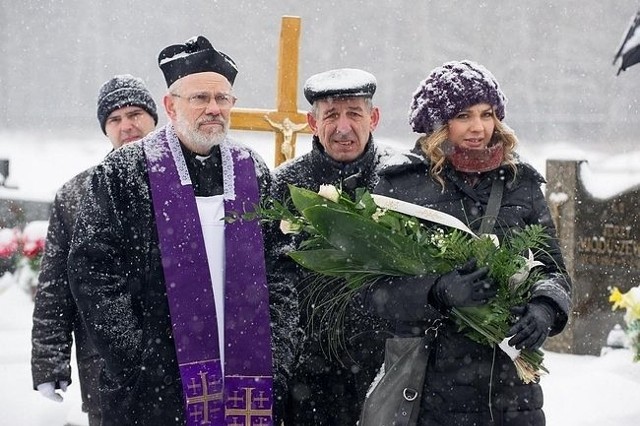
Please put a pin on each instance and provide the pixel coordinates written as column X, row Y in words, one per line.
column 126, row 113
column 126, row 110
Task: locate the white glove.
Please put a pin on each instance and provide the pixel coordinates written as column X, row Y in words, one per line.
column 48, row 390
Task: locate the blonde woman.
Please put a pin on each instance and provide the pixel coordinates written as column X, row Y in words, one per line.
column 465, row 152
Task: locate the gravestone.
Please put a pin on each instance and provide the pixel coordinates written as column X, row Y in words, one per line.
column 15, row 212
column 4, row 170
column 601, row 247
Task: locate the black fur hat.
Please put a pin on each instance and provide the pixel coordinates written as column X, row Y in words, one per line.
column 194, row 56
column 340, row 83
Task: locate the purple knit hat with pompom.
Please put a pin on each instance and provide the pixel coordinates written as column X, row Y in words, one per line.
column 451, row 88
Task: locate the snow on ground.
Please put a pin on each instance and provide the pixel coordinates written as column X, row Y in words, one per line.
column 21, row 405
column 579, row 391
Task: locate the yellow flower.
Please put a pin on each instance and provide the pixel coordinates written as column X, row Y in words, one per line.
column 629, row 301
column 616, row 298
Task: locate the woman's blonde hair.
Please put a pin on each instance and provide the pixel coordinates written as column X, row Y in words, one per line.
column 432, row 147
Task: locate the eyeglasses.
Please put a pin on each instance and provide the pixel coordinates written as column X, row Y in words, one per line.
column 202, row 100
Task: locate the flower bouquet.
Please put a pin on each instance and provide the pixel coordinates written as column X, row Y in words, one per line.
column 351, row 243
column 630, row 301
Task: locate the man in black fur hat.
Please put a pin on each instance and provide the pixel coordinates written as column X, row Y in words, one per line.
column 175, row 297
column 126, row 112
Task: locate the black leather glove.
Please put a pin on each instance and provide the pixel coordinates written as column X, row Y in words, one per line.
column 533, row 326
column 465, row 286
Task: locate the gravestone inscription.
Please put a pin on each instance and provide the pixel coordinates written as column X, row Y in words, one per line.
column 600, row 240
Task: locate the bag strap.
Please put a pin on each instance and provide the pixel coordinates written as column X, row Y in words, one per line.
column 410, row 396
column 408, row 402
column 493, row 206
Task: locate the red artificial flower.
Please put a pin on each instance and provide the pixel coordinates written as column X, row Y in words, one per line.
column 9, row 242
column 33, row 248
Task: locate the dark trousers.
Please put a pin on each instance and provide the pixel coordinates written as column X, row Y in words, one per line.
column 323, row 392
column 95, row 419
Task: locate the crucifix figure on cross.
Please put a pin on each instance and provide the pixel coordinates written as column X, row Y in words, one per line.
column 286, row 120
column 288, row 129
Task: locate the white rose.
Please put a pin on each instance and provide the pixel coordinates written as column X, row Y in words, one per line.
column 329, row 192
column 289, row 228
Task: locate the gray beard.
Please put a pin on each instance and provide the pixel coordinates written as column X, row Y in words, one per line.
column 199, row 142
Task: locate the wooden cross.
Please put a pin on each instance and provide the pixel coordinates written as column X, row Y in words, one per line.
column 286, row 120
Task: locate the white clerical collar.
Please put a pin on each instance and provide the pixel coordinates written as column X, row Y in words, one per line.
column 202, row 158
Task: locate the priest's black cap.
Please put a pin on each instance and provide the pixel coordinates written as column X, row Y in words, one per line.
column 194, row 56
column 341, row 83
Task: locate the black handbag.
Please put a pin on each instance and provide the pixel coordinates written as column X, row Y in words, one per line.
column 394, row 396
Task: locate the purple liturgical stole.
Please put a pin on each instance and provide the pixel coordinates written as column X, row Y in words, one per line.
column 243, row 396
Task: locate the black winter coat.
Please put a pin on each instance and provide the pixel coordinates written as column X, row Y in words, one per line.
column 325, row 390
column 462, row 377
column 55, row 316
column 118, row 282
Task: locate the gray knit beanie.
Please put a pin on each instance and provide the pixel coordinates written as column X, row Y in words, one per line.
column 122, row 91
column 451, row 88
